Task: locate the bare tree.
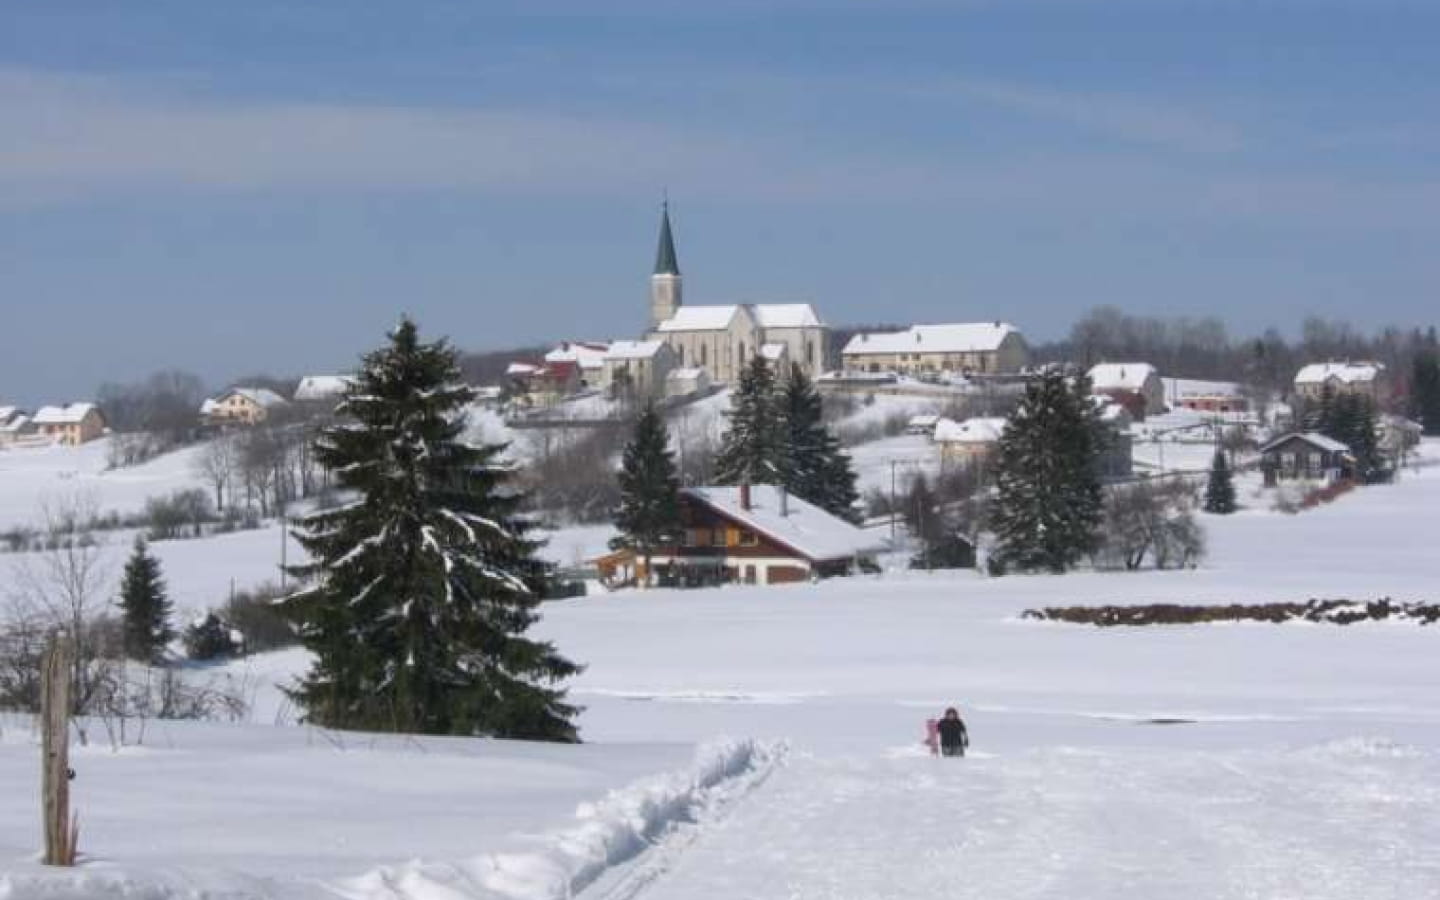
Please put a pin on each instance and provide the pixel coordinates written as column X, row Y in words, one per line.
column 1153, row 520
column 216, row 465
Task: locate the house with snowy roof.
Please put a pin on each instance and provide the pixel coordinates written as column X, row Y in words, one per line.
column 71, row 425
column 323, row 388
column 1365, row 378
column 242, row 406
column 985, row 348
column 750, row 534
column 723, row 339
column 1134, row 385
column 14, row 423
column 1305, row 455
column 972, row 440
column 589, row 356
column 637, row 368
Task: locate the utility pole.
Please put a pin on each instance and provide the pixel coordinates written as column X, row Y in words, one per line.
column 283, row 535
column 892, row 503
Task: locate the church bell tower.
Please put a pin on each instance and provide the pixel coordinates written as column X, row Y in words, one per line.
column 665, row 282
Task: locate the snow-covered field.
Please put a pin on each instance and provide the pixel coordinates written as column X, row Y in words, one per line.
column 1300, row 760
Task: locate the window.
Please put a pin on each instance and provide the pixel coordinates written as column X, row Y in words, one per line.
column 719, row 537
column 749, row 538
column 704, row 355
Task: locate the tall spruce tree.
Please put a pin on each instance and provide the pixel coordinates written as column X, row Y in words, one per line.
column 145, row 608
column 1425, row 391
column 1220, row 488
column 1048, row 501
column 1320, row 415
column 421, row 590
column 649, row 514
column 813, row 466
column 753, row 449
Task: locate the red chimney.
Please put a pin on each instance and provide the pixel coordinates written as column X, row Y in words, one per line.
column 745, row 496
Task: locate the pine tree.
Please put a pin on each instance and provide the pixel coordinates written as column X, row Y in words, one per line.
column 649, row 514
column 421, row 589
column 1048, row 501
column 1359, row 433
column 813, row 466
column 145, row 607
column 752, row 450
column 1321, row 416
column 1425, row 392
column 1220, row 489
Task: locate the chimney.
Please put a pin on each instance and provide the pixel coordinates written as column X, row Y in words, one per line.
column 784, row 499
column 745, row 495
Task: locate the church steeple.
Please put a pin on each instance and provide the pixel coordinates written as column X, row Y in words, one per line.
column 665, row 296
column 665, row 262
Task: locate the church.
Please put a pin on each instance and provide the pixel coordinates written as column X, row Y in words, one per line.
column 723, row 339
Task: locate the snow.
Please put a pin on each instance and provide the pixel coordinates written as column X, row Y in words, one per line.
column 979, row 430
column 588, row 354
column 70, row 414
column 633, row 349
column 772, row 352
column 787, row 315
column 1345, row 372
column 259, row 396
column 1313, row 438
column 1120, row 376
column 1175, row 388
column 700, row 318
column 1304, row 762
column 793, row 522
column 969, row 337
column 314, row 388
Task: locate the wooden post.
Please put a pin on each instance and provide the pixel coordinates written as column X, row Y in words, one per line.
column 60, row 832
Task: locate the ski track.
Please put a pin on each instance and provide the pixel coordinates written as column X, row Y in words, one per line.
column 1071, row 823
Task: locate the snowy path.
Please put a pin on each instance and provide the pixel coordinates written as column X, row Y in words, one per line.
column 1344, row 820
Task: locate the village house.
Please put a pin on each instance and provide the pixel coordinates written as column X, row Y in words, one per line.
column 544, row 384
column 752, row 535
column 242, row 406
column 1212, row 402
column 687, row 382
column 14, row 423
column 637, row 368
column 984, row 348
column 970, row 441
column 723, row 339
column 1305, row 455
column 1367, row 379
column 71, row 425
column 589, row 356
column 323, row 388
column 1134, row 385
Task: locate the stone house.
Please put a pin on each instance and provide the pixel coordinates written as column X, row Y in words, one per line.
column 984, row 348
column 71, row 425
column 637, row 368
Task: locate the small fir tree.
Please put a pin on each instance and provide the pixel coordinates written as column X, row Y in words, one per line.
column 813, row 466
column 210, row 638
column 753, row 449
column 422, row 589
column 1220, row 489
column 1425, row 392
column 1048, row 501
column 145, row 608
column 649, row 514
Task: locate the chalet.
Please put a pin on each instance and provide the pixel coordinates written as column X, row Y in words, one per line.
column 72, row 425
column 756, row 534
column 1365, row 378
column 1305, row 455
column 242, row 406
column 1134, row 385
column 965, row 348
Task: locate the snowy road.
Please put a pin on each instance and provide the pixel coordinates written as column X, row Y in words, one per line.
column 1348, row 819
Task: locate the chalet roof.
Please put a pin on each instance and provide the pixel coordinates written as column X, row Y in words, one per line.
column 323, row 387
column 70, row 414
column 700, row 318
column 805, row 528
column 258, row 395
column 978, row 430
column 1313, row 438
column 1129, row 376
column 634, row 349
column 964, row 337
column 1346, row 372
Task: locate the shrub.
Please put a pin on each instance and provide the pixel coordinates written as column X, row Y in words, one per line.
column 210, row 639
column 261, row 626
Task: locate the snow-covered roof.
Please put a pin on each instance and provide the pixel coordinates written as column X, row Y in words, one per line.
column 1313, row 438
column 8, row 412
column 787, row 315
column 70, row 414
column 700, row 318
column 1345, row 372
column 979, row 430
column 208, row 406
column 805, row 528
column 259, row 396
column 772, row 352
column 589, row 354
column 687, row 374
column 520, row 368
column 925, row 421
column 964, row 337
column 323, row 387
column 15, row 422
column 634, row 349
column 1121, row 376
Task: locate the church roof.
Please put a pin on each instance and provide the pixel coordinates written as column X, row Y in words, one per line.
column 665, row 260
column 787, row 315
column 700, row 318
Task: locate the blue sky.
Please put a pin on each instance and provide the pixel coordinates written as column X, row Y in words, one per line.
column 265, row 186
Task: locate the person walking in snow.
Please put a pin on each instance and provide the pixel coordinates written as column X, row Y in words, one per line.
column 953, row 736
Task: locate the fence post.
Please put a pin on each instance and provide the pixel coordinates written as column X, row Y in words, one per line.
column 60, row 832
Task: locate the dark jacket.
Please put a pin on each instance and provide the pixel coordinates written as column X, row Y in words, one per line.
column 952, row 733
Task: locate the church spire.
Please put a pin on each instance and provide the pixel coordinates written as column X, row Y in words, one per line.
column 665, row 262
